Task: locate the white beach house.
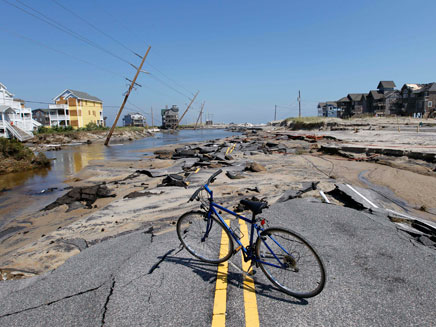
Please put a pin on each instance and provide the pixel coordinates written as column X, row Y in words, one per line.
column 15, row 119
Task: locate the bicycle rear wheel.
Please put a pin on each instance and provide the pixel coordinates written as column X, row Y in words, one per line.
column 215, row 246
column 298, row 270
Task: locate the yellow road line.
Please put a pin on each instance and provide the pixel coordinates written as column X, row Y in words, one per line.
column 219, row 306
column 250, row 302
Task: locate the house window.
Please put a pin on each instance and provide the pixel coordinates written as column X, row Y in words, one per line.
column 430, row 104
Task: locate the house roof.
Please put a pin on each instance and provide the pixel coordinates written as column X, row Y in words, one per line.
column 356, row 96
column 2, row 86
column 432, row 87
column 321, row 104
column 412, row 86
column 386, row 85
column 333, row 103
column 169, row 111
column 79, row 95
column 344, row 99
column 376, row 95
column 4, row 108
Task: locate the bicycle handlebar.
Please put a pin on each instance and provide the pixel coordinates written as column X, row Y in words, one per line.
column 212, row 178
column 209, row 181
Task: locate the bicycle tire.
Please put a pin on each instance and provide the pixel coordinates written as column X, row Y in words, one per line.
column 191, row 227
column 299, row 253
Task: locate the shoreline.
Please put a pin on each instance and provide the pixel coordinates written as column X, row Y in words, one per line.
column 46, row 239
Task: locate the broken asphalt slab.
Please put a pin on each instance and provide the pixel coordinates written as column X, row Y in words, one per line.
column 376, row 276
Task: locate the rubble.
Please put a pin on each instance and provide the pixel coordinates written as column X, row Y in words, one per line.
column 86, row 194
column 292, row 194
column 174, row 180
column 255, row 167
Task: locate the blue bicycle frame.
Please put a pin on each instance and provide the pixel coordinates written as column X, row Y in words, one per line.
column 248, row 255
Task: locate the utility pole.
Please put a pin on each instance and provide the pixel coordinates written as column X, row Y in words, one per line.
column 152, row 119
column 299, row 104
column 126, row 97
column 187, row 108
column 199, row 116
column 275, row 112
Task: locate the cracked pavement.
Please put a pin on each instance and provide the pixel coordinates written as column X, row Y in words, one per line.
column 377, row 275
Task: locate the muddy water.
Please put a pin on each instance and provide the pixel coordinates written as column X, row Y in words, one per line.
column 30, row 191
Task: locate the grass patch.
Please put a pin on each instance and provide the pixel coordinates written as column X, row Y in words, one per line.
column 312, row 119
column 297, row 123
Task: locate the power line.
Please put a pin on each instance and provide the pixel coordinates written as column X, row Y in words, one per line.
column 62, row 28
column 154, row 67
column 140, row 38
column 67, row 30
column 61, row 52
column 95, row 27
column 169, row 86
column 138, row 108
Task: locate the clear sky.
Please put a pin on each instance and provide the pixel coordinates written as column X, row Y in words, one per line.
column 243, row 56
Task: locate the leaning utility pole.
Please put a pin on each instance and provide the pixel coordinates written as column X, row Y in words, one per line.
column 187, row 108
column 126, row 97
column 299, row 104
column 152, row 120
column 275, row 112
column 199, row 116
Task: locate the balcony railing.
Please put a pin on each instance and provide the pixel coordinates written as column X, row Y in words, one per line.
column 58, row 106
column 59, row 117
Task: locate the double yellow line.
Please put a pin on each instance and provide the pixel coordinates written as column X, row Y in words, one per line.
column 231, row 148
column 220, row 301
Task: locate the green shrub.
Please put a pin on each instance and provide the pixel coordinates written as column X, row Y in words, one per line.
column 14, row 149
column 92, row 127
column 54, row 129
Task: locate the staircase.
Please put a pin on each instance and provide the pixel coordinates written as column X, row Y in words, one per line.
column 17, row 132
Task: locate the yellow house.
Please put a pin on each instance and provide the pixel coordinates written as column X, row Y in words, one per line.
column 77, row 109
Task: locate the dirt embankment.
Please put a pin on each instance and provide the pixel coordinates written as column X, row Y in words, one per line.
column 14, row 157
column 49, row 140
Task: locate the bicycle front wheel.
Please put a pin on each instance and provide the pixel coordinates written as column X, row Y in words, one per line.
column 204, row 238
column 290, row 262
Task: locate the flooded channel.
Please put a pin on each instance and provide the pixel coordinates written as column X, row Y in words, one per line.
column 30, row 191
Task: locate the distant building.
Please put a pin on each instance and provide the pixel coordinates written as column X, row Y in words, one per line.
column 134, row 119
column 329, row 109
column 76, row 108
column 385, row 100
column 15, row 119
column 344, row 105
column 357, row 103
column 170, row 117
column 41, row 116
column 209, row 122
column 418, row 100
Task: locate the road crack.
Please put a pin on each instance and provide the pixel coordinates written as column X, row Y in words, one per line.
column 52, row 302
column 111, row 291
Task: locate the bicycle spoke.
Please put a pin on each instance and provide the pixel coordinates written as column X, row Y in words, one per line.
column 300, row 273
column 201, row 239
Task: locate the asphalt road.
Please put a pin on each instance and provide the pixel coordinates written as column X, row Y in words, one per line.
column 377, row 276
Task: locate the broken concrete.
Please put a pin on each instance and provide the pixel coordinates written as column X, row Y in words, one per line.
column 86, row 194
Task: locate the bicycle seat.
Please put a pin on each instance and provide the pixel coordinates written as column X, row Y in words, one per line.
column 255, row 206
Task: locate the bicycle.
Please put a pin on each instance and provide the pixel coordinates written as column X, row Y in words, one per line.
column 285, row 257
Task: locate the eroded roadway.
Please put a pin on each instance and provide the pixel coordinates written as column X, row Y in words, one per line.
column 377, row 276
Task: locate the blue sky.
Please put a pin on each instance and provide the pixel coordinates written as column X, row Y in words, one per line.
column 243, row 56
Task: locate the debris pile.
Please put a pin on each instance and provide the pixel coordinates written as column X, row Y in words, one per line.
column 81, row 197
